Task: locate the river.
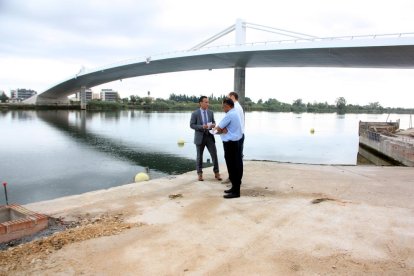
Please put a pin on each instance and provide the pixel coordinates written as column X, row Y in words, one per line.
column 50, row 154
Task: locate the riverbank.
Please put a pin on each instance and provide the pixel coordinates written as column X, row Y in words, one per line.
column 161, row 105
column 291, row 219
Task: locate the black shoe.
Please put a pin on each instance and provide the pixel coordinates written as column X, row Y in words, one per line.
column 229, row 191
column 231, row 195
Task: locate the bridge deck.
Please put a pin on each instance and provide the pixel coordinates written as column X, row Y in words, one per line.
column 396, row 52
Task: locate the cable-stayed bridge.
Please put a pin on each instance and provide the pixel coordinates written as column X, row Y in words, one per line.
column 296, row 50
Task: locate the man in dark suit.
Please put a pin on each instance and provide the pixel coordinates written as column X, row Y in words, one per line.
column 202, row 120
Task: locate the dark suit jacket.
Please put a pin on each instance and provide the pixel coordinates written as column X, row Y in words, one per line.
column 196, row 123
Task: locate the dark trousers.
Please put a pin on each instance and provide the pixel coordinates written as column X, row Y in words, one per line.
column 241, row 141
column 208, row 141
column 234, row 162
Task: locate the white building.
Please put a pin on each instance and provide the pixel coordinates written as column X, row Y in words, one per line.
column 88, row 93
column 21, row 94
column 109, row 95
column 96, row 96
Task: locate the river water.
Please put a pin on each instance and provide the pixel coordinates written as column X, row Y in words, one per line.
column 50, row 154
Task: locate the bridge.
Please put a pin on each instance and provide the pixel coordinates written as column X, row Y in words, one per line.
column 297, row 50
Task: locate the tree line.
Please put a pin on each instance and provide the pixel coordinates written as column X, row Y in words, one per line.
column 185, row 102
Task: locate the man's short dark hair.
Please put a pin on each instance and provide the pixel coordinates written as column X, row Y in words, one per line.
column 229, row 102
column 236, row 96
column 202, row 98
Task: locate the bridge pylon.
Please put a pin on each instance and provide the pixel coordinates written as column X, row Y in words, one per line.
column 240, row 28
column 240, row 72
column 83, row 97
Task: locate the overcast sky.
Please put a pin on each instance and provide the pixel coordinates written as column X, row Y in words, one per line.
column 46, row 41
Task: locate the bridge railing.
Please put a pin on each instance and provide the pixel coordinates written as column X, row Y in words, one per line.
column 148, row 59
column 318, row 39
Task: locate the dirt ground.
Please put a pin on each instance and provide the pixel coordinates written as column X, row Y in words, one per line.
column 290, row 220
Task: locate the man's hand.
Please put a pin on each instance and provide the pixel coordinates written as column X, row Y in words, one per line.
column 221, row 130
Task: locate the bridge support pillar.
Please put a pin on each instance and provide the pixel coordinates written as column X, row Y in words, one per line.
column 83, row 97
column 239, row 83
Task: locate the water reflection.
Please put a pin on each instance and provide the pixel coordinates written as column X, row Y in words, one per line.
column 78, row 130
column 288, row 137
column 18, row 115
column 49, row 154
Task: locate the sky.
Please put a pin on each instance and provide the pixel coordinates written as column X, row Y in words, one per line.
column 44, row 42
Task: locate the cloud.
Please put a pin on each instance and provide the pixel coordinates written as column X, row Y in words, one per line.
column 45, row 41
column 65, row 28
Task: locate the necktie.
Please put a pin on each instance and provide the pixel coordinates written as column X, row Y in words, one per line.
column 205, row 117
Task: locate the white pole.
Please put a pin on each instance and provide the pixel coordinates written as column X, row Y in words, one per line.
column 240, row 29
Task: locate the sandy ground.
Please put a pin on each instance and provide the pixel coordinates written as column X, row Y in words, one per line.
column 290, row 220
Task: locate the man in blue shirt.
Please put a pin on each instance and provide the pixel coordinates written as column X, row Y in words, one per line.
column 237, row 106
column 232, row 132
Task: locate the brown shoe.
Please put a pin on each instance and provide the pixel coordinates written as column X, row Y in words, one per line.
column 218, row 177
column 200, row 177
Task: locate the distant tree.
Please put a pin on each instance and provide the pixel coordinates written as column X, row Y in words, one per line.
column 298, row 106
column 160, row 104
column 271, row 105
column 248, row 100
column 3, row 98
column 374, row 107
column 272, row 101
column 312, row 107
column 248, row 103
column 133, row 99
column 136, row 100
column 147, row 100
column 297, row 102
column 341, row 105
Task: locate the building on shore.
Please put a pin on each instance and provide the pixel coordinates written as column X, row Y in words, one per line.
column 21, row 94
column 109, row 95
column 88, row 93
column 96, row 96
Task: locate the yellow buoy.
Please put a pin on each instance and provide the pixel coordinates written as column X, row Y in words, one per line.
column 312, row 130
column 139, row 177
column 181, row 142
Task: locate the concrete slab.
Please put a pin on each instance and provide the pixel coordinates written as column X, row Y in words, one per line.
column 290, row 220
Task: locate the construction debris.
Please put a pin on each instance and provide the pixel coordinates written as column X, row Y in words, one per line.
column 24, row 255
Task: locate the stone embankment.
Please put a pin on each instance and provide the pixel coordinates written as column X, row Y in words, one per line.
column 384, row 144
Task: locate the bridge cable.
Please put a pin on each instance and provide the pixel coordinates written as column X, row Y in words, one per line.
column 289, row 33
column 213, row 38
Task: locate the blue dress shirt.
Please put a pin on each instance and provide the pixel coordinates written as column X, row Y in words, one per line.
column 231, row 121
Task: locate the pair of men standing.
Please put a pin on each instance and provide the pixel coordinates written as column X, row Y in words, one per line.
column 232, row 130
